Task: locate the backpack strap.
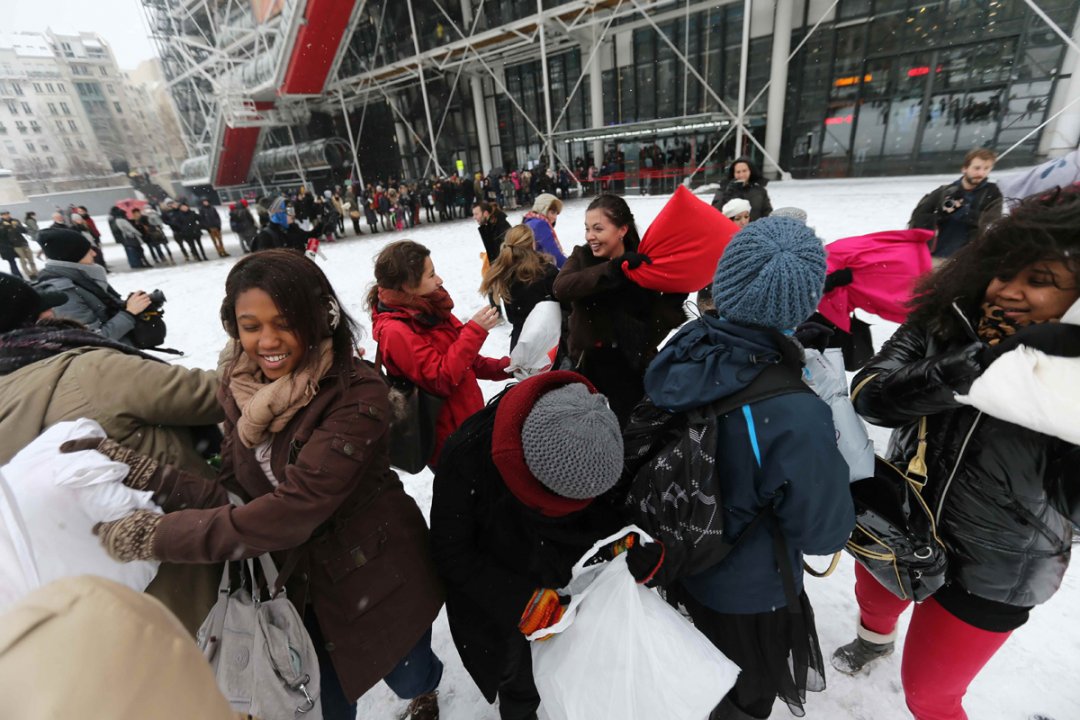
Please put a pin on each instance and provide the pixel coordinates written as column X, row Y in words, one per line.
column 775, row 380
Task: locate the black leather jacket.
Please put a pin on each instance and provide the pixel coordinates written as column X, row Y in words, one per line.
column 998, row 490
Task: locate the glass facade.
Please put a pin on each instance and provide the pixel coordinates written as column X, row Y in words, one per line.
column 882, row 87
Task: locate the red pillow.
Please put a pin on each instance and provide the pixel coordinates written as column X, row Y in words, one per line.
column 685, row 243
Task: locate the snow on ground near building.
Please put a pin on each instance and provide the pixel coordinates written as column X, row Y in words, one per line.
column 1033, row 673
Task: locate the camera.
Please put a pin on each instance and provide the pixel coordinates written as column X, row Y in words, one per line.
column 949, row 204
column 157, row 299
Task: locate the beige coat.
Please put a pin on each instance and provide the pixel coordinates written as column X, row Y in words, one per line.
column 86, row 647
column 145, row 405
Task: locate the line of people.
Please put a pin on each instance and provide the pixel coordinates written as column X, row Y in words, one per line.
column 525, row 484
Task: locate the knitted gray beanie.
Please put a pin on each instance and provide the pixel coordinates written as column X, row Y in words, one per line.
column 771, row 274
column 572, row 442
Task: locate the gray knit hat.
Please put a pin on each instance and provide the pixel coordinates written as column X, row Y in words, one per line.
column 771, row 274
column 572, row 442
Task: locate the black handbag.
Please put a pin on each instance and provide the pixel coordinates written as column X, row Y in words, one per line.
column 414, row 412
column 895, row 536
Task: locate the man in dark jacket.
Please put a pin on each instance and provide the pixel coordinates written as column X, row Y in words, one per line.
column 188, row 228
column 283, row 231
column 211, row 222
column 957, row 210
column 512, row 512
column 13, row 245
column 241, row 223
column 493, row 226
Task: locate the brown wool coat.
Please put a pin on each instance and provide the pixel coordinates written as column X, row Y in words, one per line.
column 363, row 559
column 144, row 405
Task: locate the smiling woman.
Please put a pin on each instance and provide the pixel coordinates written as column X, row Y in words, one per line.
column 1002, row 490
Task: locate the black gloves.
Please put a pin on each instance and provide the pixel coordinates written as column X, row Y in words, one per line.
column 643, row 560
column 1051, row 338
column 813, row 335
column 958, row 369
column 633, row 260
column 837, row 278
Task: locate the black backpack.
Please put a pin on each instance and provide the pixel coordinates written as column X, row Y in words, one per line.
column 670, row 464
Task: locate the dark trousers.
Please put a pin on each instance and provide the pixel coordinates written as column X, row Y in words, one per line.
column 418, row 673
column 518, row 698
column 14, row 268
column 197, row 252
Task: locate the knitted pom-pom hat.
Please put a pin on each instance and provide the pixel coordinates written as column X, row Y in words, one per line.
column 556, row 443
column 771, row 274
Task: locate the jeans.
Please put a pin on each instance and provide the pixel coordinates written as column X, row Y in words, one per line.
column 418, row 673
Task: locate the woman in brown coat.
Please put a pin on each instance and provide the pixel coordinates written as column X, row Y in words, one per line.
column 306, row 443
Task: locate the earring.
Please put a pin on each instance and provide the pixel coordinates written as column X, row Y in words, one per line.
column 335, row 314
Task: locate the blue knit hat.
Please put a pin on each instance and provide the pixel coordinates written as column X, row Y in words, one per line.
column 771, row 274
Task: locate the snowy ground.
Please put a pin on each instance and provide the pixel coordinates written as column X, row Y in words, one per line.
column 1032, row 674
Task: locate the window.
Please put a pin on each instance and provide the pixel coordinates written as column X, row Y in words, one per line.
column 112, row 90
column 26, row 109
column 67, row 143
column 60, row 86
column 81, row 144
column 34, row 126
column 3, row 129
column 49, row 87
column 117, row 108
column 17, row 88
column 64, row 109
column 20, row 126
column 52, row 108
column 73, row 126
column 30, row 146
column 60, row 126
column 37, row 87
column 44, row 147
column 13, row 107
column 104, row 71
column 79, row 69
column 66, row 47
column 50, row 160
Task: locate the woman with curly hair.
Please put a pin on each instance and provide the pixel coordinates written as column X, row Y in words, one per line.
column 1001, row 465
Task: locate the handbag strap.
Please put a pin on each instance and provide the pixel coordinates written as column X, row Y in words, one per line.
column 275, row 581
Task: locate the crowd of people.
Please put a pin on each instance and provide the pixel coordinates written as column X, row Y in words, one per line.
column 526, row 483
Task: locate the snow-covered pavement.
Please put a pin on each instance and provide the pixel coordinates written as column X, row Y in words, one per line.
column 1033, row 673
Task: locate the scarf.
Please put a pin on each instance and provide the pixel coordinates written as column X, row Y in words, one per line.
column 554, row 236
column 430, row 309
column 267, row 407
column 19, row 348
column 993, row 325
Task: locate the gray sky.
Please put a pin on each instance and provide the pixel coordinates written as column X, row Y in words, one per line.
column 121, row 22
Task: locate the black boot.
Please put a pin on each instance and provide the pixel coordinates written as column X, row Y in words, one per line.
column 864, row 650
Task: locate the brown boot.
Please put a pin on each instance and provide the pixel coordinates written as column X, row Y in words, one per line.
column 424, row 707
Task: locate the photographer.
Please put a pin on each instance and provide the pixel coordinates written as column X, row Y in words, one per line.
column 957, row 210
column 71, row 270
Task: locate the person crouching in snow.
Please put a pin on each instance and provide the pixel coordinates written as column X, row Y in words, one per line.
column 782, row 480
column 1003, row 480
column 512, row 511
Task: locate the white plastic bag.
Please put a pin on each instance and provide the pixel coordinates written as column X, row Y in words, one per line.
column 539, row 341
column 621, row 653
column 49, row 503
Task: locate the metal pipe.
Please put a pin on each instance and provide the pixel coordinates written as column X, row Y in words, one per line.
column 744, row 61
column 423, row 89
column 774, row 115
column 544, row 81
column 352, row 141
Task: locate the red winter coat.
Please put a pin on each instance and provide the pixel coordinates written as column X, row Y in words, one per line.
column 443, row 359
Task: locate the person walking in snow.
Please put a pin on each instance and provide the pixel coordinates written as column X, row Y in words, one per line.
column 243, row 224
column 781, row 477
column 615, row 325
column 420, row 340
column 512, row 511
column 306, row 444
column 493, row 225
column 991, row 348
column 541, row 220
column 211, row 223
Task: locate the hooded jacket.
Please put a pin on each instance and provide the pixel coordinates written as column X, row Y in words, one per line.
column 546, row 241
column 90, row 299
column 1001, row 493
column 443, row 359
column 780, row 452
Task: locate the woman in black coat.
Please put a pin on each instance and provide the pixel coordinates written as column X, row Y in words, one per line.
column 1002, row 484
column 512, row 512
column 493, row 226
column 519, row 278
column 745, row 181
column 615, row 325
